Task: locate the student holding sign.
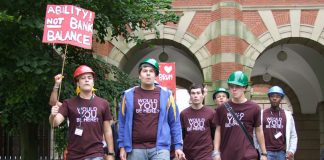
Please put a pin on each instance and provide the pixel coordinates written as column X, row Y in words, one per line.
column 53, row 98
column 89, row 117
column 148, row 119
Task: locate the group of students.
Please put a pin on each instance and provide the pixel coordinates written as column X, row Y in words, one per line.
column 273, row 129
column 149, row 122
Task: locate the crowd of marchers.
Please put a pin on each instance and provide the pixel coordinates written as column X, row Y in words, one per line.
column 150, row 127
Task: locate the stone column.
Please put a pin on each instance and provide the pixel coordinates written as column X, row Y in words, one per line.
column 226, row 43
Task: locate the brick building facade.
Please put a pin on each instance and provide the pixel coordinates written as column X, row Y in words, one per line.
column 282, row 38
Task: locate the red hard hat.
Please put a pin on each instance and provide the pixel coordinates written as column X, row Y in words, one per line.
column 81, row 70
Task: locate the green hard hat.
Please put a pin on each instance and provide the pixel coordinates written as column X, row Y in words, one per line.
column 152, row 62
column 238, row 78
column 220, row 90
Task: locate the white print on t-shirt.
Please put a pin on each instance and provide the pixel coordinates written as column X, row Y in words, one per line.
column 196, row 124
column 274, row 122
column 147, row 106
column 231, row 121
column 88, row 114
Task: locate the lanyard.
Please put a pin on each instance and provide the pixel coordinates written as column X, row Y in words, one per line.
column 272, row 113
column 79, row 107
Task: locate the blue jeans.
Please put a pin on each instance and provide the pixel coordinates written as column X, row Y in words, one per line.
column 148, row 154
column 95, row 158
column 276, row 155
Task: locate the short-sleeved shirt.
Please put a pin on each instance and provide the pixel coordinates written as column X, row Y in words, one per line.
column 274, row 122
column 146, row 117
column 90, row 114
column 197, row 125
column 234, row 143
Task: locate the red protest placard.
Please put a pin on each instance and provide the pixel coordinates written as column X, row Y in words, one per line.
column 68, row 24
column 167, row 76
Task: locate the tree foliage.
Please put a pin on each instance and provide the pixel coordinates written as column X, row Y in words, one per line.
column 123, row 16
column 27, row 66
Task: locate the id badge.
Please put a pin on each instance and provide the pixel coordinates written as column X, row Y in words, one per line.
column 78, row 131
column 277, row 135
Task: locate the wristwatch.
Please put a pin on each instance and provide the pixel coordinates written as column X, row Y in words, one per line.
column 264, row 154
column 215, row 153
column 111, row 153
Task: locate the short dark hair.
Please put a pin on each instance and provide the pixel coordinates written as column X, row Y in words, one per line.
column 214, row 95
column 196, row 86
column 146, row 65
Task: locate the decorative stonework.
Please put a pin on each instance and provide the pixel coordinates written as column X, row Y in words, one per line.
column 292, row 30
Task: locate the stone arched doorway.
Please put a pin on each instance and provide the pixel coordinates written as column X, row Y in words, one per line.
column 296, row 65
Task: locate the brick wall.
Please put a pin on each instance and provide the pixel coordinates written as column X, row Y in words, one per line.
column 308, row 17
column 227, row 13
column 221, row 71
column 227, row 44
column 102, row 48
column 281, row 17
column 199, row 22
column 254, row 22
column 281, row 2
column 182, row 3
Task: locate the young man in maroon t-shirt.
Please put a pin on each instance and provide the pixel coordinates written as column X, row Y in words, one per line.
column 149, row 119
column 230, row 141
column 220, row 96
column 279, row 128
column 89, row 117
column 198, row 124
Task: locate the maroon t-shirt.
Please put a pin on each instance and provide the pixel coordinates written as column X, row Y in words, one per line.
column 234, row 144
column 146, row 117
column 197, row 124
column 274, row 122
column 91, row 117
